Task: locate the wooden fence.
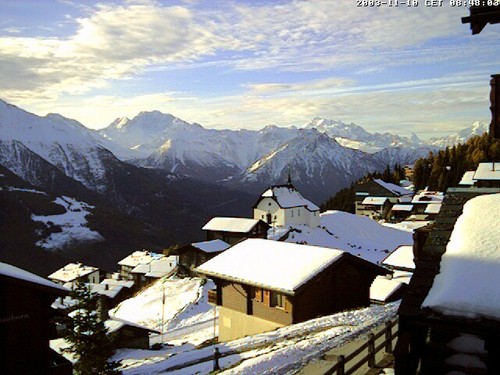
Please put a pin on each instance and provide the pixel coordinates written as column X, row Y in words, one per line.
column 373, row 349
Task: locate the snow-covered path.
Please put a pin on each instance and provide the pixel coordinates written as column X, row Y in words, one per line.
column 281, row 351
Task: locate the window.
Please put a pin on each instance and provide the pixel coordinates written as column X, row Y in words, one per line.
column 298, row 211
column 292, row 213
column 277, row 300
column 257, row 294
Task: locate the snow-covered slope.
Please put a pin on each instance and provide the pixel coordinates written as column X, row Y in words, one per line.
column 170, row 143
column 354, row 136
column 358, row 235
column 462, row 136
column 66, row 144
column 318, row 164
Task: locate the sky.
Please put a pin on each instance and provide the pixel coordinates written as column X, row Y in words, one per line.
column 247, row 64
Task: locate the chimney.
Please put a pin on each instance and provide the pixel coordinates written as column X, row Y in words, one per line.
column 495, row 106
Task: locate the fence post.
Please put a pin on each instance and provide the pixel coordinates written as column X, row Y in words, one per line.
column 388, row 337
column 371, row 351
column 341, row 365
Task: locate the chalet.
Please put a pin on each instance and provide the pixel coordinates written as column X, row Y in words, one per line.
column 195, row 254
column 449, row 317
column 284, row 206
column 375, row 208
column 487, row 175
column 408, row 171
column 400, row 212
column 145, row 273
column 423, row 202
column 393, row 287
column 401, row 259
column 76, row 272
column 26, row 323
column 128, row 263
column 262, row 285
column 235, row 229
column 127, row 334
column 386, row 289
column 375, row 198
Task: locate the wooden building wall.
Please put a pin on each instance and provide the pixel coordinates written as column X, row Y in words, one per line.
column 25, row 329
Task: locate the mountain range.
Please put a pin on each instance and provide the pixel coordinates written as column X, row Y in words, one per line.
column 154, row 180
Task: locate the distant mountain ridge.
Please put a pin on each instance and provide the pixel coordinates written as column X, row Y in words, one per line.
column 169, row 177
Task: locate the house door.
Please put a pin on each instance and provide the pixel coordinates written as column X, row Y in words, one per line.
column 269, row 218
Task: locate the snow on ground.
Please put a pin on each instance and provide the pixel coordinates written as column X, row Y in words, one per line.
column 408, row 226
column 468, row 283
column 281, row 351
column 72, row 222
column 358, row 235
column 185, row 306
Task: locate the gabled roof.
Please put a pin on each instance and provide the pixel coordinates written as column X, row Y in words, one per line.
column 71, row 272
column 382, row 288
column 375, row 201
column 114, row 324
column 425, row 197
column 401, row 258
column 433, row 208
column 213, row 246
column 402, row 207
column 274, row 265
column 24, row 277
column 287, row 196
column 231, row 224
column 393, row 188
column 488, row 171
column 139, row 257
column 467, row 178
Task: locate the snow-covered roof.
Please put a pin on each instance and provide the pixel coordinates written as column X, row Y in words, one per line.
column 71, row 272
column 162, row 267
column 402, row 257
column 467, row 178
column 375, row 201
column 405, row 199
column 157, row 267
column 383, row 288
column 468, row 284
column 213, row 246
column 487, row 171
column 231, row 224
column 114, row 324
column 428, row 197
column 271, row 264
column 402, row 207
column 433, row 208
column 289, row 197
column 113, row 282
column 20, row 274
column 139, row 257
column 393, row 187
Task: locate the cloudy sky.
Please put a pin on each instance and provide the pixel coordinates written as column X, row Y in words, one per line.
column 247, row 64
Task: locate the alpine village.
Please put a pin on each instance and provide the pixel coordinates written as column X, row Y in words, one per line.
column 394, row 272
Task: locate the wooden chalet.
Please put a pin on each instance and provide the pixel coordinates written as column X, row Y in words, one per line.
column 375, row 198
column 76, row 273
column 195, row 254
column 284, row 206
column 26, row 324
column 131, row 261
column 487, row 175
column 460, row 335
column 235, row 229
column 262, row 285
column 128, row 335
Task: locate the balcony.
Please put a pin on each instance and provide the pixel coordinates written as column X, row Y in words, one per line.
column 212, row 297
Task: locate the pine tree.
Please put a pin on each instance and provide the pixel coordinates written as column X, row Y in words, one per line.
column 87, row 335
